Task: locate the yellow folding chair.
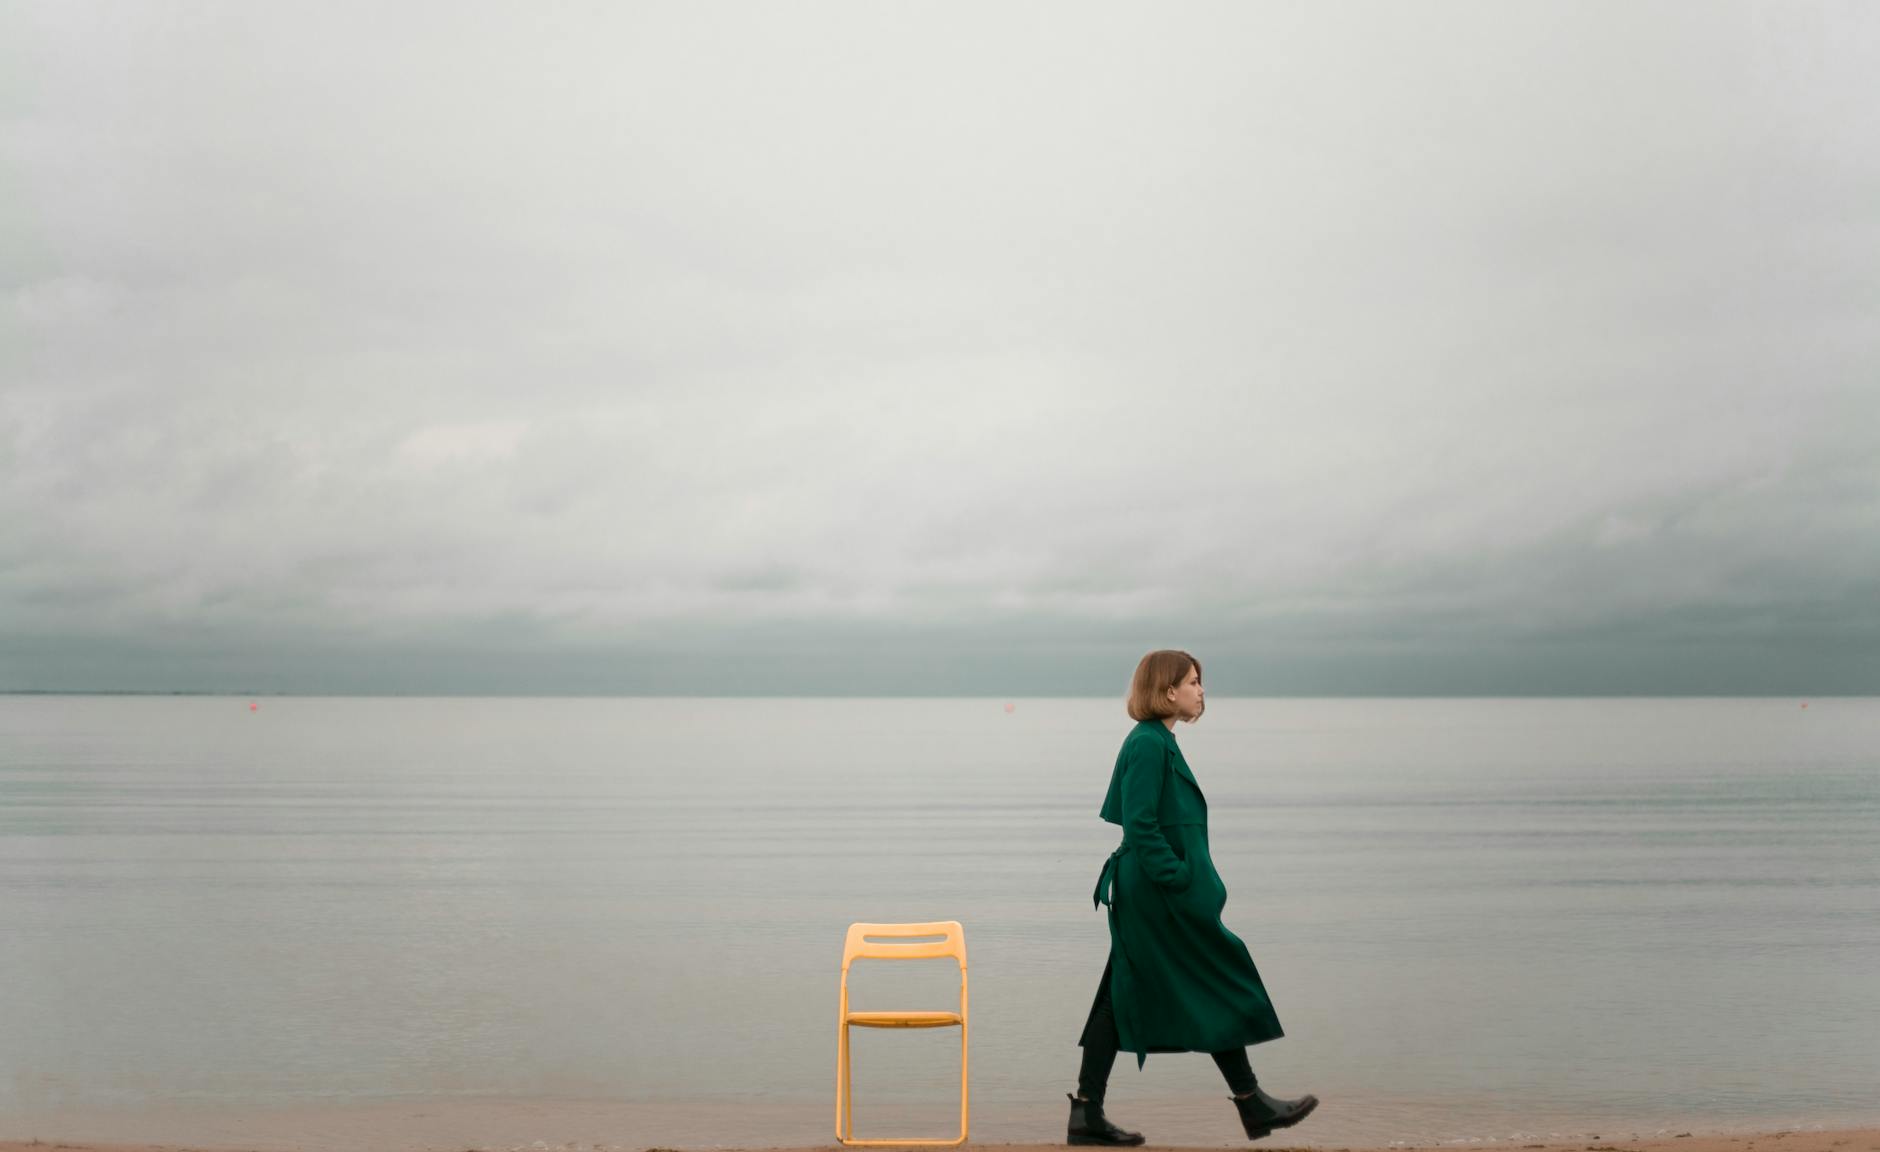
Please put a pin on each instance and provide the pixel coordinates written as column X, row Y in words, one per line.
column 862, row 946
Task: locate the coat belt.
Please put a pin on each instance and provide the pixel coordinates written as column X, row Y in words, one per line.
column 1106, row 880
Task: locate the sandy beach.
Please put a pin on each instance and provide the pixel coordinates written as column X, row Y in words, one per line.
column 1792, row 1140
column 1697, row 1140
column 761, row 1123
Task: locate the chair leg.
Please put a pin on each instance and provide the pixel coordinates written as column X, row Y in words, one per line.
column 842, row 1077
column 965, row 1029
column 962, row 1081
column 848, row 1089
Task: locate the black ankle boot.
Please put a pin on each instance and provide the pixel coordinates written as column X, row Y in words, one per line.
column 1260, row 1113
column 1089, row 1126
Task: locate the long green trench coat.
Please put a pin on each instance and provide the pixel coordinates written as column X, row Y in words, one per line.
column 1179, row 980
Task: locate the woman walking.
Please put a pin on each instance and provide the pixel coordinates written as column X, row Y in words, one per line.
column 1177, row 979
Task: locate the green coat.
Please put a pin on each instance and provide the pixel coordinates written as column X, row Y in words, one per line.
column 1179, row 980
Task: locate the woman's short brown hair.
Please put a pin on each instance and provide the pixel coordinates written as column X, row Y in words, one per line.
column 1158, row 672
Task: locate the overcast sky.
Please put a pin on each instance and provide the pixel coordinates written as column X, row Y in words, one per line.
column 860, row 348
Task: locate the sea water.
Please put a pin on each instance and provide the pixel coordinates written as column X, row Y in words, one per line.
column 1478, row 919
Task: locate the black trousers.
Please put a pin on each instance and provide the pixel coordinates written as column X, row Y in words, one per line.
column 1101, row 1042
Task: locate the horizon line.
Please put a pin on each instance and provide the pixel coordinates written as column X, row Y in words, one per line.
column 435, row 695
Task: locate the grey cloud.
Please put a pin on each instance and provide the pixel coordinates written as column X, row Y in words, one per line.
column 1521, row 335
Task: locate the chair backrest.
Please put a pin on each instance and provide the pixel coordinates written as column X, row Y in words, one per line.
column 952, row 942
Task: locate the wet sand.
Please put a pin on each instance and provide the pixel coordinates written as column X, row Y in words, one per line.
column 1791, row 1140
column 781, row 1124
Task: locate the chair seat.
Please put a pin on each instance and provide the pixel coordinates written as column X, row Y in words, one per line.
column 905, row 1019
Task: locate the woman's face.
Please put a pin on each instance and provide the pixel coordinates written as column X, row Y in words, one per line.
column 1186, row 697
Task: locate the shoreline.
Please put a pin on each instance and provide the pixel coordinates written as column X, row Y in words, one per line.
column 767, row 1122
column 591, row 1126
column 1696, row 1140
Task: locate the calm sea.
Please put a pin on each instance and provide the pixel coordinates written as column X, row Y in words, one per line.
column 608, row 923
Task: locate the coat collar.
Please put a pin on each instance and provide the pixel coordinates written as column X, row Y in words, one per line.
column 1160, row 731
